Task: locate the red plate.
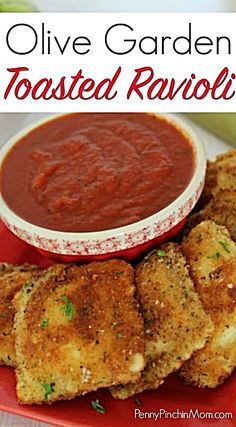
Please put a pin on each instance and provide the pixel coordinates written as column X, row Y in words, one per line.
column 171, row 396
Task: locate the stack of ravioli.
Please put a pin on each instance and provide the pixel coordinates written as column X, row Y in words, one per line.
column 69, row 330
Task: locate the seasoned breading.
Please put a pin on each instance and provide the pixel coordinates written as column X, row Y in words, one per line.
column 207, row 247
column 12, row 278
column 78, row 329
column 220, row 175
column 212, row 258
column 175, row 322
column 221, row 209
column 5, row 268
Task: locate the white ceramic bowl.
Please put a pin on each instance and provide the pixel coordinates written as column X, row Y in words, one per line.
column 127, row 242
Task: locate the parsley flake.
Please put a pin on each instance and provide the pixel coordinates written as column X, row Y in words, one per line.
column 161, row 253
column 225, row 246
column 44, row 323
column 158, row 252
column 98, row 407
column 26, row 285
column 48, row 389
column 216, row 255
column 68, row 309
column 185, row 293
column 137, row 401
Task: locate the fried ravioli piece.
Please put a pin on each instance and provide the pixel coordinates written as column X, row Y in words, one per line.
column 221, row 209
column 12, row 278
column 78, row 329
column 220, row 175
column 212, row 258
column 207, row 247
column 175, row 322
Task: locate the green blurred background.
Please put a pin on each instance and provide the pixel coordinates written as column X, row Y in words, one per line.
column 17, row 6
column 221, row 124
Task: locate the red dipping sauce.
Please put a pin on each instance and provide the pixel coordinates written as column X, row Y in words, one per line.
column 91, row 172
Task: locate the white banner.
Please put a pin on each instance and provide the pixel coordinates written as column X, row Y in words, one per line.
column 166, row 62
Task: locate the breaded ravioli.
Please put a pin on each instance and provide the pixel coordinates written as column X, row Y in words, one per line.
column 78, row 329
column 221, row 209
column 220, row 175
column 12, row 278
column 212, row 258
column 175, row 322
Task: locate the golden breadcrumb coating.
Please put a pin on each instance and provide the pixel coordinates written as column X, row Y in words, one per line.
column 221, row 209
column 175, row 322
column 212, row 258
column 78, row 329
column 220, row 175
column 12, row 278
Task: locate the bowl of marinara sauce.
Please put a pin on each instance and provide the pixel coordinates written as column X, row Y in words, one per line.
column 92, row 186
